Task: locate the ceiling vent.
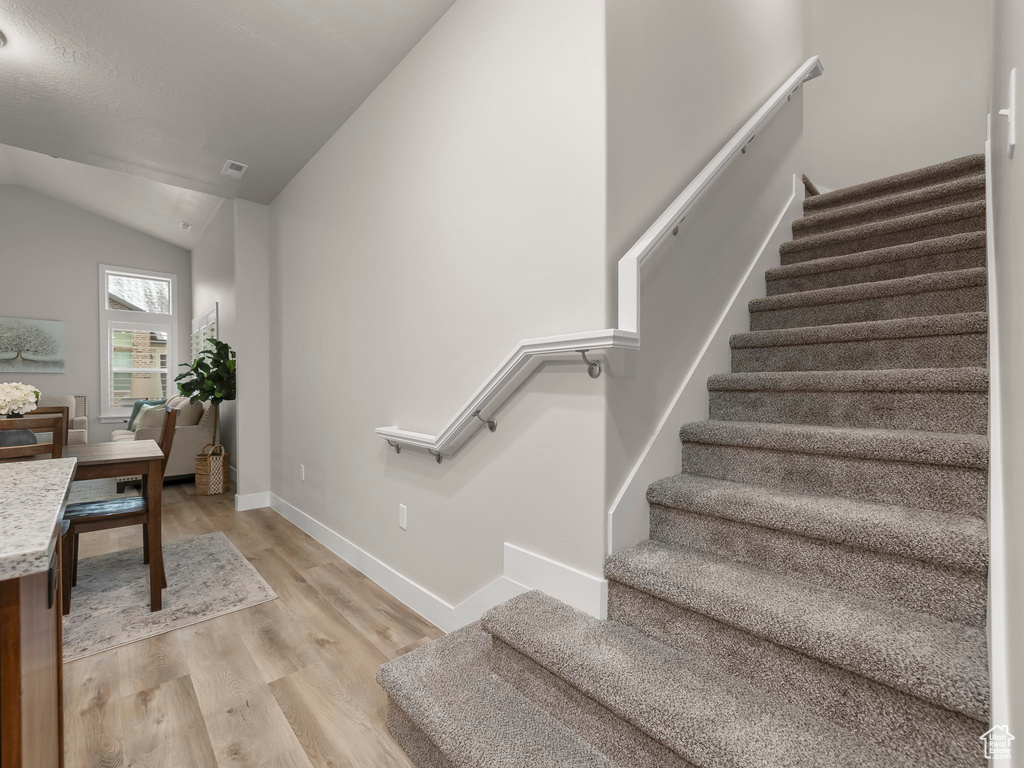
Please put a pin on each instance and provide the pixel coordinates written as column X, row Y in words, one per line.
column 186, row 226
column 234, row 170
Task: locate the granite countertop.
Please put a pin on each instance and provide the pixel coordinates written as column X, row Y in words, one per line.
column 32, row 495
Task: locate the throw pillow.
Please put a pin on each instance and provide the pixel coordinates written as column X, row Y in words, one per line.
column 140, row 420
column 133, row 420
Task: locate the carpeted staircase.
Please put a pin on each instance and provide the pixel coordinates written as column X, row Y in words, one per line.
column 813, row 592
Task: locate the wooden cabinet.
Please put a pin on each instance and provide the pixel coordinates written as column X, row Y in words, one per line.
column 31, row 692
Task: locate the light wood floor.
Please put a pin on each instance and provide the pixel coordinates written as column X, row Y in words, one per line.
column 285, row 684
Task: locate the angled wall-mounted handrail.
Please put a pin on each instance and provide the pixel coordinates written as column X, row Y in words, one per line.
column 530, row 353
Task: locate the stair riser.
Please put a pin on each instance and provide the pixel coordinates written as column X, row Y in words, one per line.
column 927, row 486
column 420, row 749
column 928, row 411
column 613, row 736
column 904, row 583
column 871, row 242
column 962, row 350
column 940, row 302
column 929, row 735
column 890, row 270
column 969, row 196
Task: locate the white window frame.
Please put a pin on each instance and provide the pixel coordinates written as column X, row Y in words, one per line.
column 122, row 319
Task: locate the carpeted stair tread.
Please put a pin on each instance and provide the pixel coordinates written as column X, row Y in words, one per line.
column 446, row 690
column 898, row 183
column 946, row 449
column 939, row 661
column 940, row 341
column 706, row 717
column 929, row 735
column 938, row 325
column 953, row 219
column 942, row 539
column 892, row 257
column 930, row 399
column 961, row 189
column 898, row 380
column 903, row 286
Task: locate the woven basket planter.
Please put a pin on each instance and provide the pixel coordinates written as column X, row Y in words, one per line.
column 212, row 470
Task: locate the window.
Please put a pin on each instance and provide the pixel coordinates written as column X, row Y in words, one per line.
column 204, row 328
column 137, row 339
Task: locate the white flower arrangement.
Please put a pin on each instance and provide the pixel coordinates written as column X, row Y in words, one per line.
column 16, row 397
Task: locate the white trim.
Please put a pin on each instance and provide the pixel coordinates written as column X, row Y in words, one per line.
column 997, row 597
column 571, row 586
column 524, row 570
column 527, row 355
column 247, row 501
column 628, row 515
column 476, row 605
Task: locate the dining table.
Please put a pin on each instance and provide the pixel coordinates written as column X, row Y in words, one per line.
column 128, row 458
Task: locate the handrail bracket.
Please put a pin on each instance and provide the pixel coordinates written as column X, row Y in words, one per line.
column 593, row 366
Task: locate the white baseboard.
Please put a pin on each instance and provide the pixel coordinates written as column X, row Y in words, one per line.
column 629, row 513
column 578, row 589
column 246, row 501
column 523, row 571
column 475, row 606
column 423, row 601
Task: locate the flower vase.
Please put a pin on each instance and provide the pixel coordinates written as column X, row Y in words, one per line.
column 11, row 437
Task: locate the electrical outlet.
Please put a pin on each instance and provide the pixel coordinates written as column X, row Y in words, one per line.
column 403, row 517
column 302, row 472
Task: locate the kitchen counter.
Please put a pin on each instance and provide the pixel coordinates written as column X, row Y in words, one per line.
column 32, row 495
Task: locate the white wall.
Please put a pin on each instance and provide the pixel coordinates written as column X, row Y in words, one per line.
column 907, row 86
column 252, row 345
column 459, row 210
column 51, row 252
column 1007, row 278
column 682, row 78
column 213, row 281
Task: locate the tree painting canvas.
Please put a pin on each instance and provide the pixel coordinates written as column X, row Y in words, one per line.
column 31, row 346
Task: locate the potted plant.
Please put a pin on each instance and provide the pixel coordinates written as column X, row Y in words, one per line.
column 17, row 399
column 210, row 378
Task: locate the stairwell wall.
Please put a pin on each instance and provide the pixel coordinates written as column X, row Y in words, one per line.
column 907, row 85
column 459, row 210
column 682, row 78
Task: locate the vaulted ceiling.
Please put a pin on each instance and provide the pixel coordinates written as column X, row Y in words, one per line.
column 148, row 206
column 172, row 89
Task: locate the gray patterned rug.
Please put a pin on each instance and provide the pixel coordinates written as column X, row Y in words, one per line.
column 206, row 577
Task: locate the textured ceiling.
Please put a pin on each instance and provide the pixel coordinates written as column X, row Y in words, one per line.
column 143, row 204
column 171, row 89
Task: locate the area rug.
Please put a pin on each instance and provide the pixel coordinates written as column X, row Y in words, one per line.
column 206, row 577
column 97, row 490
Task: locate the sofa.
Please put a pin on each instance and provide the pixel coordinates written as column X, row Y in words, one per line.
column 193, row 430
column 78, row 429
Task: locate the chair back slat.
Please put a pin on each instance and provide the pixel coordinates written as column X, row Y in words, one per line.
column 44, row 410
column 167, row 432
column 52, row 424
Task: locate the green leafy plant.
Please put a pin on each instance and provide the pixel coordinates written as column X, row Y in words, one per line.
column 210, row 377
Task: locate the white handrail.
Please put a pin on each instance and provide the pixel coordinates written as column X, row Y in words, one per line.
column 530, row 353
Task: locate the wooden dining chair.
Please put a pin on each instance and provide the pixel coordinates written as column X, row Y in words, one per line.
column 54, row 449
column 87, row 516
column 48, row 410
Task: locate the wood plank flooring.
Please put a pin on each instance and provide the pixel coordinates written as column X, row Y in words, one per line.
column 284, row 684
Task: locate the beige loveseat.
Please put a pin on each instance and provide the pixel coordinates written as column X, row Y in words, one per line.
column 78, row 429
column 193, row 430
